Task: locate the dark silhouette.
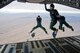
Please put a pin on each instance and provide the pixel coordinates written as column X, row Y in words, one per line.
column 1, row 1
column 54, row 34
column 63, row 21
column 39, row 20
column 53, row 14
column 33, row 34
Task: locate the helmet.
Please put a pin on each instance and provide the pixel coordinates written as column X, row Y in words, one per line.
column 38, row 15
column 52, row 5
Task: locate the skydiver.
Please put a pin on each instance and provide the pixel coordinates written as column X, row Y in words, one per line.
column 63, row 21
column 39, row 20
column 53, row 13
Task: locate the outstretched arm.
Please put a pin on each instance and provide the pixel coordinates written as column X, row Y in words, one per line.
column 46, row 8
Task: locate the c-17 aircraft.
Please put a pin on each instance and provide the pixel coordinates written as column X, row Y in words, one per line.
column 59, row 45
column 71, row 3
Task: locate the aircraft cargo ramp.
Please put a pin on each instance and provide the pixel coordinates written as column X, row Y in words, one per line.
column 59, row 45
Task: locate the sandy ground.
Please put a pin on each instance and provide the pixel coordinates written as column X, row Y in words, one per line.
column 17, row 30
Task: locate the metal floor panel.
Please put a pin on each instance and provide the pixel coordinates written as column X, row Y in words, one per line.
column 59, row 45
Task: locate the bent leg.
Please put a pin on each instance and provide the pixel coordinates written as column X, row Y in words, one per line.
column 60, row 25
column 44, row 29
column 33, row 29
column 52, row 24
